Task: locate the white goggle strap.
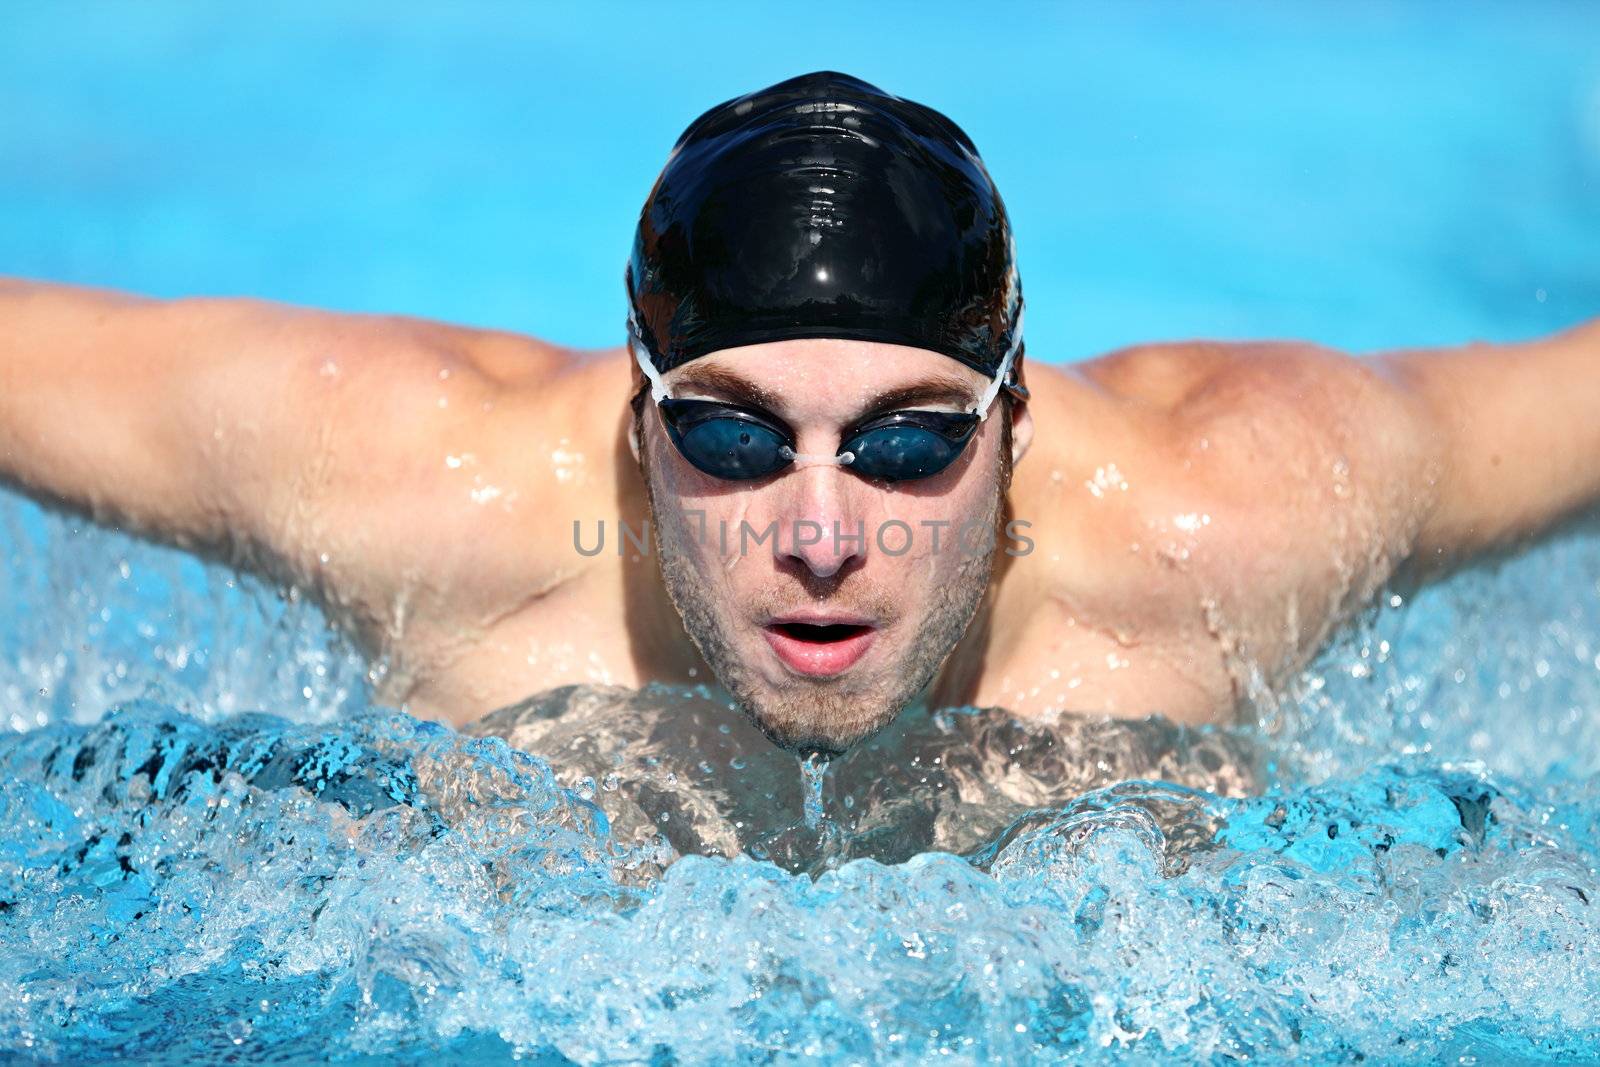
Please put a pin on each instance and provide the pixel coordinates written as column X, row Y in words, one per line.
column 658, row 391
column 658, row 388
column 986, row 401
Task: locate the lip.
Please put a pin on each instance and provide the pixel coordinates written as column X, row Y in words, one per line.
column 819, row 659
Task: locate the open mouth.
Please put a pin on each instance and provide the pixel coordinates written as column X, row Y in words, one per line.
column 820, row 634
column 819, row 649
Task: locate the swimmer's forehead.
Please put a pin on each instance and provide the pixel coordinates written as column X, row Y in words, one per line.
column 819, row 377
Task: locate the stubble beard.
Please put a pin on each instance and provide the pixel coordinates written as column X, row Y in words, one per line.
column 824, row 717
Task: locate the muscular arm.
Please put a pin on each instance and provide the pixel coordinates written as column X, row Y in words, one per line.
column 1417, row 456
column 1265, row 491
column 1517, row 428
column 308, row 444
column 98, row 406
column 165, row 417
column 1352, row 468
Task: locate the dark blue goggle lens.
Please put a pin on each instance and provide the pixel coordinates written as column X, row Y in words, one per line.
column 734, row 443
column 724, row 441
column 908, row 445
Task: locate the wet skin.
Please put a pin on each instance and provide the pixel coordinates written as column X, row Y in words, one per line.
column 1201, row 515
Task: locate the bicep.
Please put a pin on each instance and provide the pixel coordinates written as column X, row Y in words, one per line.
column 395, row 474
column 100, row 405
column 363, row 457
column 328, row 459
column 201, row 422
column 253, row 410
column 1518, row 435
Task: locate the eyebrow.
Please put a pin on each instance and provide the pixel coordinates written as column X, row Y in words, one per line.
column 934, row 389
column 724, row 384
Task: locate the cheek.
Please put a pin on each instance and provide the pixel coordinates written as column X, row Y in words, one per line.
column 965, row 498
column 699, row 523
column 943, row 548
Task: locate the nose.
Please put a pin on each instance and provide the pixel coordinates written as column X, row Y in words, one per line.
column 819, row 527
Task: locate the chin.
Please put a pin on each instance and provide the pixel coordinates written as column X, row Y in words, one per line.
column 811, row 719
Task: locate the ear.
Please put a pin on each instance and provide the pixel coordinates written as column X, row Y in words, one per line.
column 1021, row 429
column 636, row 383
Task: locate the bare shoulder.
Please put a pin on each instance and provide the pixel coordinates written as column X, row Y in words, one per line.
column 1236, row 419
column 423, row 462
column 1203, row 505
column 1200, row 384
column 392, row 355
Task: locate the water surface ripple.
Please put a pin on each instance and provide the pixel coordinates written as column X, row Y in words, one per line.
column 1394, row 863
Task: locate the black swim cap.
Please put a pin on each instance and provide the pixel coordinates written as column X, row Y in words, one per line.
column 825, row 207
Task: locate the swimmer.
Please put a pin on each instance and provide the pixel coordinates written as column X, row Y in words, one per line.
column 819, row 472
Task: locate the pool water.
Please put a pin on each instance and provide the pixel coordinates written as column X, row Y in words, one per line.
column 1396, row 861
column 213, row 845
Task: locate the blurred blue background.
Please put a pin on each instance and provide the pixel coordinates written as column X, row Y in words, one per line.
column 1361, row 175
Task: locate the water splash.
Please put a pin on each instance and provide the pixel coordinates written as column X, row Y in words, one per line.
column 813, row 769
column 683, row 768
column 397, row 888
column 90, row 619
column 1397, row 864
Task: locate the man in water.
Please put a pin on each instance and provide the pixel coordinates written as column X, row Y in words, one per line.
column 832, row 486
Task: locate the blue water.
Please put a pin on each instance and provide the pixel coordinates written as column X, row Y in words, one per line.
column 212, row 845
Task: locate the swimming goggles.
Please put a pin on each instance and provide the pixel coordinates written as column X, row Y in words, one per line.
column 741, row 444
